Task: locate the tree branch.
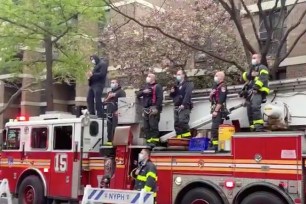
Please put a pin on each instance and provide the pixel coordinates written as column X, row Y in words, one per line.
column 253, row 23
column 283, row 6
column 172, row 37
column 236, row 18
column 284, row 38
column 120, row 26
column 18, row 24
column 268, row 27
column 293, row 45
column 292, row 7
column 15, row 95
column 61, row 35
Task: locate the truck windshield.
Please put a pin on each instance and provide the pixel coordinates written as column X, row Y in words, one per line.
column 12, row 139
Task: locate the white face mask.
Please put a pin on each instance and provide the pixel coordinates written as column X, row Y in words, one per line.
column 148, row 80
column 216, row 79
column 179, row 78
column 113, row 85
column 141, row 157
column 93, row 61
column 254, row 62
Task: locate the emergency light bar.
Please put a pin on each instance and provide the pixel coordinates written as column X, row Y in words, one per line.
column 22, row 118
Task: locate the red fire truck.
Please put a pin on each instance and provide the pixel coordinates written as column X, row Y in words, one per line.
column 54, row 156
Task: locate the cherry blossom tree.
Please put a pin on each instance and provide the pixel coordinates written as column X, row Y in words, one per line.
column 204, row 39
column 277, row 22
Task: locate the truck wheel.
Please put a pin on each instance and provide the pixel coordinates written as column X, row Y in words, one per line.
column 201, row 196
column 31, row 191
column 262, row 197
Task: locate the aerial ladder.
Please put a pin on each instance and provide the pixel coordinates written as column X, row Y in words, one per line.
column 285, row 94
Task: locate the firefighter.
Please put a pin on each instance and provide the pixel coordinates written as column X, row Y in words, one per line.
column 257, row 79
column 145, row 174
column 96, row 82
column 152, row 99
column 219, row 112
column 181, row 95
column 112, row 107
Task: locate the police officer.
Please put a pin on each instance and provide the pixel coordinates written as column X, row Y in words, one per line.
column 145, row 174
column 152, row 99
column 181, row 95
column 257, row 78
column 96, row 82
column 112, row 107
column 218, row 97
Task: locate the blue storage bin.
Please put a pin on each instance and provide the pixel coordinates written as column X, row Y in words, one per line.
column 199, row 144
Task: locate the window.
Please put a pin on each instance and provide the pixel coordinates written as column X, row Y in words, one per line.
column 63, row 137
column 94, row 128
column 39, row 138
column 12, row 139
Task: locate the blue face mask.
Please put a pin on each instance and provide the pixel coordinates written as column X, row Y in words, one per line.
column 179, row 78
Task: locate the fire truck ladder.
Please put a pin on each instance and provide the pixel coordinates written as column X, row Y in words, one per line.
column 199, row 123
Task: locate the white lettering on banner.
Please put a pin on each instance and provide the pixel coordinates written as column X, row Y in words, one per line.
column 101, row 195
column 60, row 162
column 288, row 154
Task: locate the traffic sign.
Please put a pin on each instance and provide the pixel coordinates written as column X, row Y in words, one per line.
column 102, row 195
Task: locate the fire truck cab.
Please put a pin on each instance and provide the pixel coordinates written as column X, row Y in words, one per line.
column 41, row 156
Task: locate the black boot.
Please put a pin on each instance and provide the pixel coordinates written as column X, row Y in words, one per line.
column 259, row 128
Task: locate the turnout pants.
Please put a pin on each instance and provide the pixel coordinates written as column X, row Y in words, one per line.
column 216, row 122
column 254, row 111
column 112, row 121
column 181, row 120
column 150, row 125
column 95, row 95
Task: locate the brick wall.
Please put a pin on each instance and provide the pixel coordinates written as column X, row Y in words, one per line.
column 296, row 71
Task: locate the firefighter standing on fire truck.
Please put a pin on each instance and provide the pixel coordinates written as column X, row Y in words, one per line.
column 112, row 108
column 152, row 99
column 145, row 174
column 257, row 89
column 219, row 112
column 181, row 94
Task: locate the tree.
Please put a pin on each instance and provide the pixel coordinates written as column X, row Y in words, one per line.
column 135, row 48
column 273, row 23
column 268, row 23
column 52, row 26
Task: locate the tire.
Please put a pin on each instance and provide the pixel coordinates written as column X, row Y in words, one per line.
column 262, row 197
column 201, row 194
column 31, row 191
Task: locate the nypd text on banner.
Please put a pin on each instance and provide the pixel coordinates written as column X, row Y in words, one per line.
column 101, row 195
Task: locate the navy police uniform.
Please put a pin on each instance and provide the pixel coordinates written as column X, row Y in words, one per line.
column 152, row 107
column 218, row 95
column 112, row 108
column 182, row 96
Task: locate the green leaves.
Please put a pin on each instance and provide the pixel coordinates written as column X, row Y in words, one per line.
column 24, row 24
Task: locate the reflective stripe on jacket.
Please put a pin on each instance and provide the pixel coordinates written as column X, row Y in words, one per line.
column 260, row 82
column 146, row 178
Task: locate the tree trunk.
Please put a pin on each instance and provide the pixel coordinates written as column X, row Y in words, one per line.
column 49, row 77
column 273, row 70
